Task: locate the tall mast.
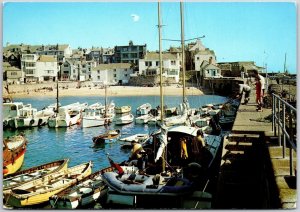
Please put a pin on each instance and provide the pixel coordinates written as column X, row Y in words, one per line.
column 284, row 68
column 161, row 79
column 182, row 49
column 160, row 66
column 105, row 101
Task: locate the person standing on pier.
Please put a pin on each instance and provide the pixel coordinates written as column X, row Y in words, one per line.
column 258, row 94
column 244, row 88
column 262, row 82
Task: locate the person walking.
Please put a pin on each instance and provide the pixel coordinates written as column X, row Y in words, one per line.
column 258, row 94
column 262, row 82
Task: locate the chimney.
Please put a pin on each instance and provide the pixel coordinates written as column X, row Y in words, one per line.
column 210, row 60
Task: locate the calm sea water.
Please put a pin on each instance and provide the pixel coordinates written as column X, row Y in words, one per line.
column 49, row 144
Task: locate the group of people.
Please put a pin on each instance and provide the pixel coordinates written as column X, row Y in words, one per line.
column 259, row 88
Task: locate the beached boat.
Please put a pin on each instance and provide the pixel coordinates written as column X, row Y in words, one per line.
column 108, row 137
column 83, row 193
column 124, row 119
column 40, row 190
column 13, row 180
column 14, row 149
column 123, row 109
column 143, row 109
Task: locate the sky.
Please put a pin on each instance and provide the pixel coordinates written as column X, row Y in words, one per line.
column 263, row 32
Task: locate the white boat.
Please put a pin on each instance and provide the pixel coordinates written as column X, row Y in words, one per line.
column 140, row 138
column 176, row 120
column 30, row 117
column 125, row 119
column 40, row 190
column 10, row 111
column 65, row 117
column 143, row 109
column 156, row 120
column 123, row 109
column 86, row 191
column 92, row 116
column 68, row 115
column 143, row 119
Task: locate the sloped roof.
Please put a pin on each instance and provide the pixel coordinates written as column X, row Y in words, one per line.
column 205, row 65
column 112, row 66
column 155, row 56
column 47, row 58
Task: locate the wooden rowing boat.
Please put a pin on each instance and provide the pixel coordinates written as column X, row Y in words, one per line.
column 40, row 190
column 14, row 149
column 86, row 191
column 13, row 180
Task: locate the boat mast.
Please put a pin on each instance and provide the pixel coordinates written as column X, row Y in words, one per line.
column 161, row 79
column 160, row 66
column 182, row 49
column 57, row 101
column 105, row 86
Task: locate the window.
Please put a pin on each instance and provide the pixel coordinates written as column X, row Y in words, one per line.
column 157, row 63
column 125, row 69
column 125, row 75
column 98, row 72
column 66, row 65
column 198, row 58
column 115, row 70
column 115, row 75
column 98, row 77
column 173, row 62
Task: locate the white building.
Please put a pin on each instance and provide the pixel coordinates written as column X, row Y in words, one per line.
column 46, row 68
column 28, row 67
column 149, row 66
column 112, row 74
column 208, row 70
column 39, row 68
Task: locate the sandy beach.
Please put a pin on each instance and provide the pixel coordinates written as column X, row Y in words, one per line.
column 69, row 89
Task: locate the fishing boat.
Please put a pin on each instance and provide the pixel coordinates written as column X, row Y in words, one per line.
column 13, row 180
column 124, row 119
column 86, row 191
column 10, row 111
column 98, row 114
column 108, row 137
column 65, row 117
column 143, row 109
column 30, row 117
column 14, row 149
column 40, row 190
column 123, row 109
column 143, row 119
column 93, row 117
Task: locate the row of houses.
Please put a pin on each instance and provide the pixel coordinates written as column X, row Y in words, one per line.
column 26, row 63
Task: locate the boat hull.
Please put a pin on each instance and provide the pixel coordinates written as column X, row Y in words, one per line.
column 93, row 122
column 14, row 167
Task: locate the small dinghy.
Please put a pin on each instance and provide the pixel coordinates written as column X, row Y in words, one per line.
column 84, row 192
column 108, row 137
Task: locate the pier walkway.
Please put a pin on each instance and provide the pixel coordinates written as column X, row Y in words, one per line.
column 255, row 171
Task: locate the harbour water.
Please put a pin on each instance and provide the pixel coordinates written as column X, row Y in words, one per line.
column 48, row 144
